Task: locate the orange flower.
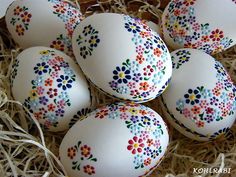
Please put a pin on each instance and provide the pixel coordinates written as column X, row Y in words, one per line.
column 20, row 30
column 140, row 59
column 147, row 161
column 200, row 124
column 71, row 152
column 17, row 10
column 48, row 82
column 26, row 17
column 57, row 45
column 196, row 110
column 205, row 39
column 143, row 112
column 144, row 86
column 89, row 169
column 85, row 150
column 157, row 52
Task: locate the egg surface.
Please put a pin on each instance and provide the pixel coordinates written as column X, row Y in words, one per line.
column 51, row 85
column 122, row 56
column 201, row 98
column 47, row 23
column 120, row 139
column 200, row 24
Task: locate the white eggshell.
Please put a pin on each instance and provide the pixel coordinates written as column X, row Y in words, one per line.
column 3, row 7
column 200, row 24
column 47, row 23
column 51, row 85
column 122, row 56
column 201, row 98
column 121, row 139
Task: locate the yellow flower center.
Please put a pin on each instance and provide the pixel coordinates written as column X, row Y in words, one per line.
column 41, row 68
column 192, row 97
column 122, row 75
column 136, row 145
column 64, row 81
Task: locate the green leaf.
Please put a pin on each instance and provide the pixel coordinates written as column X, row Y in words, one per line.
column 74, row 162
column 136, row 167
column 78, row 167
column 141, row 125
column 79, row 143
column 146, row 78
column 94, row 159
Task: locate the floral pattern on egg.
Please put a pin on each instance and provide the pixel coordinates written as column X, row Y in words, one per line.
column 140, row 122
column 87, row 41
column 68, row 14
column 202, row 105
column 21, row 19
column 182, row 26
column 82, row 157
column 139, row 77
column 71, row 17
column 48, row 97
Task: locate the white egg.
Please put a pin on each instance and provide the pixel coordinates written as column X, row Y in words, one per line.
column 47, row 23
column 122, row 56
column 120, row 139
column 200, row 24
column 155, row 27
column 51, row 85
column 201, row 98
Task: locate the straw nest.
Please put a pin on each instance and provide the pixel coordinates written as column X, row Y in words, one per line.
column 27, row 151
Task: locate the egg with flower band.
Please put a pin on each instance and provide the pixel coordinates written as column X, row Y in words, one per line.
column 122, row 56
column 51, row 86
column 47, row 23
column 200, row 24
column 200, row 103
column 119, row 139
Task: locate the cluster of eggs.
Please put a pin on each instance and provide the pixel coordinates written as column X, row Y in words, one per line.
column 126, row 59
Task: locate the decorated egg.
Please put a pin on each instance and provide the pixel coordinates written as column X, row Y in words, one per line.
column 122, row 56
column 200, row 24
column 201, row 99
column 51, row 86
column 120, row 139
column 46, row 22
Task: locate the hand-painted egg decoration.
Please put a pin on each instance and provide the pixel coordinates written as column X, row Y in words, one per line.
column 200, row 24
column 120, row 139
column 201, row 99
column 122, row 56
column 52, row 87
column 47, row 23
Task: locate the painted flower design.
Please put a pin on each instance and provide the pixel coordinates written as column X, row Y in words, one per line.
column 41, row 68
column 64, row 82
column 121, row 74
column 21, row 19
column 132, row 27
column 183, row 57
column 221, row 132
column 144, row 71
column 203, row 105
column 71, row 152
column 85, row 150
column 135, row 145
column 90, row 170
column 88, row 41
column 46, row 101
column 183, row 27
column 84, row 156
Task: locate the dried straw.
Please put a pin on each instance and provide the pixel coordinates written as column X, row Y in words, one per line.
column 27, row 151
